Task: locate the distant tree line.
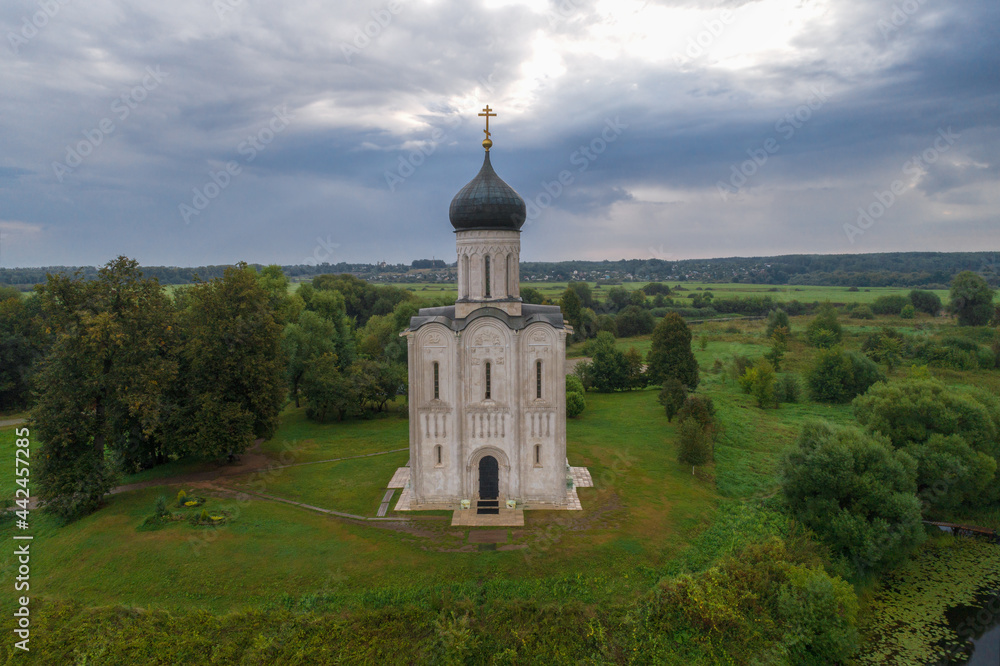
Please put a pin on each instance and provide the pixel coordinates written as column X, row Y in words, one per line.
column 891, row 269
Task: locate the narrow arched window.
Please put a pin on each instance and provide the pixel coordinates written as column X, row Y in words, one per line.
column 538, row 454
column 538, row 379
column 486, row 277
column 437, row 381
column 437, row 454
column 489, row 382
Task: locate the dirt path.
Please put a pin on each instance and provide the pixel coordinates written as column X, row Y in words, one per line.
column 12, row 422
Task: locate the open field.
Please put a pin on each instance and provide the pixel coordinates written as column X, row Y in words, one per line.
column 804, row 294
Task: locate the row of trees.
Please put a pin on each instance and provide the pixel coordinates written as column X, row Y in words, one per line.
column 922, row 450
column 126, row 376
column 131, row 377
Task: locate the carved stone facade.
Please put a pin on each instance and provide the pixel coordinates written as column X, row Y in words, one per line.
column 487, row 379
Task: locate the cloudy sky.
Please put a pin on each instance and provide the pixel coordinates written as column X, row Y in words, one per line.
column 212, row 131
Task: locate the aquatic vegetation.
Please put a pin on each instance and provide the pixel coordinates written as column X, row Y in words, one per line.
column 905, row 620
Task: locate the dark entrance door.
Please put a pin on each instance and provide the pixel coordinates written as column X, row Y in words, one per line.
column 489, row 478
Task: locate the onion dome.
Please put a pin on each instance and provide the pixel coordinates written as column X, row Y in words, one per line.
column 487, row 203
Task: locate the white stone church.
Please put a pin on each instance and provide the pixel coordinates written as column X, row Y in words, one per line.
column 487, row 394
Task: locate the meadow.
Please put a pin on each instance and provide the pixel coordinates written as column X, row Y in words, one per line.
column 648, row 517
column 802, row 293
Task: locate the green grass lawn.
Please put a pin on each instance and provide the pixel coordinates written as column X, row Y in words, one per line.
column 804, row 294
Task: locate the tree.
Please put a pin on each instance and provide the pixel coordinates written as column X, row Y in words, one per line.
column 328, row 391
column 571, row 309
column 837, row 376
column 693, row 444
column 634, row 368
column 608, row 367
column 532, row 295
column 672, row 396
column 582, row 290
column 233, row 366
column 618, row 299
column 100, row 388
column 908, row 312
column 670, row 354
column 303, row 341
column 778, row 347
column 855, row 492
column 776, row 319
column 925, row 301
column 21, row 344
column 954, row 436
column 824, row 330
column 971, row 299
column 633, row 321
column 759, row 380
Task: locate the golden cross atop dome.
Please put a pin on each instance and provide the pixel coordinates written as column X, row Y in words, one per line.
column 487, row 143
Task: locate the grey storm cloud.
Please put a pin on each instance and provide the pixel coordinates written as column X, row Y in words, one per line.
column 206, row 132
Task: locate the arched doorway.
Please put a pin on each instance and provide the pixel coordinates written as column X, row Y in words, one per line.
column 489, row 478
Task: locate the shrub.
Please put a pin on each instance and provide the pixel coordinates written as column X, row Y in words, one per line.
column 788, row 389
column 575, row 404
column 161, row 506
column 862, row 312
column 777, row 319
column 838, row 376
column 908, row 312
column 574, row 385
column 889, row 305
column 855, row 492
column 738, row 366
column 181, row 498
column 759, row 381
column 672, row 396
column 824, row 331
column 925, row 301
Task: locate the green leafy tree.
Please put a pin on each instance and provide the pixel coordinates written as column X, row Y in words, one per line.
column 884, row 346
column 954, row 436
column 635, row 367
column 693, row 444
column 908, row 312
column 824, row 330
column 670, row 354
column 303, row 341
column 633, row 321
column 855, row 492
column 926, row 301
column 22, row 342
column 582, row 290
column 329, row 392
column 100, row 388
column 837, row 376
column 571, row 309
column 609, row 369
column 672, row 396
column 233, row 366
column 971, row 299
column 532, row 295
column 776, row 319
column 760, row 381
column 779, row 346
